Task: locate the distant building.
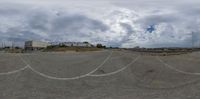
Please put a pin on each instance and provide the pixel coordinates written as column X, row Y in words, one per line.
column 35, row 45
column 54, row 43
column 72, row 44
column 77, row 44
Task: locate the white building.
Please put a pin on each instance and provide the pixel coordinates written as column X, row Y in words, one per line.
column 35, row 45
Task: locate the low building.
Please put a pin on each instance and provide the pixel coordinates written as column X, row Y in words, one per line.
column 35, row 45
column 76, row 44
column 72, row 44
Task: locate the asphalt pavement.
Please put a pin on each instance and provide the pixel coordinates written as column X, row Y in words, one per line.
column 99, row 75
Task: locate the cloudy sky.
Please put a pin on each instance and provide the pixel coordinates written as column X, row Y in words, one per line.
column 122, row 23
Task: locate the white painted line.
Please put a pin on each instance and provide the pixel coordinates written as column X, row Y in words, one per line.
column 15, row 71
column 115, row 72
column 72, row 78
column 23, row 60
column 166, row 88
column 188, row 58
column 56, row 78
column 101, row 64
column 177, row 70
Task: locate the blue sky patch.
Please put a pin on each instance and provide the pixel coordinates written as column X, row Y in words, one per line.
column 151, row 28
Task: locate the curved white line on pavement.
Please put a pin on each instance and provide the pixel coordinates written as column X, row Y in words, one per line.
column 15, row 71
column 23, row 60
column 115, row 72
column 166, row 88
column 177, row 70
column 56, row 78
column 72, row 78
column 188, row 58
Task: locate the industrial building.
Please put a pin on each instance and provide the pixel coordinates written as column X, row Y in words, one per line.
column 35, row 45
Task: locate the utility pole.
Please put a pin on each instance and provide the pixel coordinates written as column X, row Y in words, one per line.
column 192, row 39
column 13, row 45
column 4, row 45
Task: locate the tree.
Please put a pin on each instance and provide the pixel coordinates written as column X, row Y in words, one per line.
column 86, row 42
column 62, row 45
column 99, row 46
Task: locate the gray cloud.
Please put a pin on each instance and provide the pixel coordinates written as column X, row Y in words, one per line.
column 77, row 23
column 46, row 25
column 38, row 21
column 156, row 19
column 110, row 22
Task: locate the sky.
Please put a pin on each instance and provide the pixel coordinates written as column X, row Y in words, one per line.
column 117, row 23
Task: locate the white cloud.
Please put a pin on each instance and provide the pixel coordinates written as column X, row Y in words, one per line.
column 110, row 22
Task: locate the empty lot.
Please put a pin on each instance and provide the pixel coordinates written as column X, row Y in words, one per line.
column 99, row 75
